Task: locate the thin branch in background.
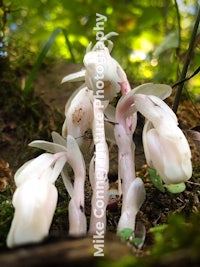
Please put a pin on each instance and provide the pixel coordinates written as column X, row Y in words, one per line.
column 188, row 95
column 178, row 28
column 177, row 54
column 193, row 103
column 165, row 13
column 187, row 78
column 186, row 63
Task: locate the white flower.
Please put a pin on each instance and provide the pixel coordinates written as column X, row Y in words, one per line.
column 77, row 219
column 165, row 146
column 79, row 114
column 35, row 199
column 125, row 106
column 102, row 74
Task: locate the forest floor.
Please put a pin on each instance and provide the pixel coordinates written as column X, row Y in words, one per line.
column 46, row 115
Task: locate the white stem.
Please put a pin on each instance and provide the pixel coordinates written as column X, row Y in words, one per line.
column 99, row 170
column 77, row 219
column 126, row 158
column 131, row 204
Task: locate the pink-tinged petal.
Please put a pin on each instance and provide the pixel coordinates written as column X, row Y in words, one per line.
column 123, row 115
column 100, row 66
column 126, row 107
column 123, row 106
column 124, row 141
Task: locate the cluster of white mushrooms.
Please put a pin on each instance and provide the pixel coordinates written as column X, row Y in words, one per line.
column 89, row 110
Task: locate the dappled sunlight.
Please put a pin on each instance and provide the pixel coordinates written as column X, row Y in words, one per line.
column 120, row 81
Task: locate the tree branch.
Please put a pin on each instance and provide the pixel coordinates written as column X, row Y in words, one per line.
column 186, row 63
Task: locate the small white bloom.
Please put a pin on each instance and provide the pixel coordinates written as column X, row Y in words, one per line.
column 165, row 146
column 77, row 219
column 79, row 117
column 104, row 73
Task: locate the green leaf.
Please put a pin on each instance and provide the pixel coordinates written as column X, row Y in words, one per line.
column 158, row 228
column 176, row 188
column 156, row 180
column 68, row 44
column 40, row 59
column 43, row 53
column 125, row 233
column 137, row 241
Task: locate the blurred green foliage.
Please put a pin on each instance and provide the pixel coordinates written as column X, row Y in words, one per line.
column 175, row 244
column 152, row 42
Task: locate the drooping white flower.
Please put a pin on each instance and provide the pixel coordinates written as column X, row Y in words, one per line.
column 165, row 146
column 35, row 199
column 102, row 74
column 125, row 106
column 77, row 219
column 79, row 117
